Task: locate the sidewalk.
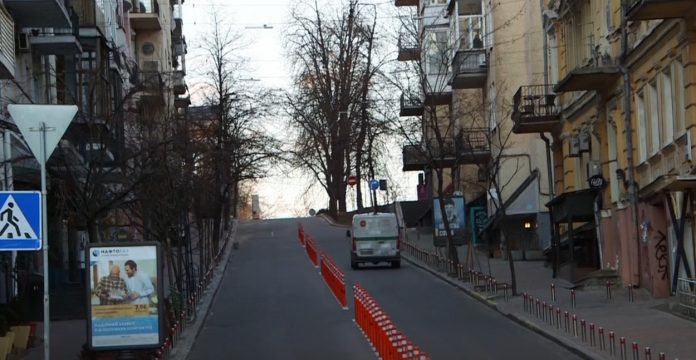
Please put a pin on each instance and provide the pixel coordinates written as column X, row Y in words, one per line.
column 645, row 321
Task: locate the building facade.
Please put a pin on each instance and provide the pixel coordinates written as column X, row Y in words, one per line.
column 623, row 75
column 475, row 55
column 111, row 58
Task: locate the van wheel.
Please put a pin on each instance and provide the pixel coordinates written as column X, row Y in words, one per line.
column 354, row 265
column 396, row 264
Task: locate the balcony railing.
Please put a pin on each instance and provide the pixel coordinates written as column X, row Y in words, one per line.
column 406, row 2
column 179, row 83
column 535, row 109
column 410, row 105
column 470, row 146
column 470, row 69
column 413, row 158
column 408, row 48
column 90, row 13
column 658, row 9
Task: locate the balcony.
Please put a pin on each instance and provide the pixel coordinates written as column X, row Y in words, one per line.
column 151, row 85
column 58, row 42
column 145, row 15
column 470, row 69
column 589, row 78
column 471, row 146
column 465, row 7
column 179, row 85
column 411, row 105
column 90, row 14
column 38, row 13
column 177, row 33
column 408, row 49
column 535, row 110
column 658, row 9
column 414, row 158
column 434, row 97
column 7, row 46
column 406, row 2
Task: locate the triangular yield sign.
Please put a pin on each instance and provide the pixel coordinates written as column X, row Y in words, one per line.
column 28, row 119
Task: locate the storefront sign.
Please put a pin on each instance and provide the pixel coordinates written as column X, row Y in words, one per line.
column 596, row 182
column 124, row 289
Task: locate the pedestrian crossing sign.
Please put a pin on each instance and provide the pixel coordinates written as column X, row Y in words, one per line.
column 20, row 220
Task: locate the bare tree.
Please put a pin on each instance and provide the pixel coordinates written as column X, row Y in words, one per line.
column 335, row 69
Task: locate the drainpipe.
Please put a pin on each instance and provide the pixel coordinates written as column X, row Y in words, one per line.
column 629, row 136
column 547, row 141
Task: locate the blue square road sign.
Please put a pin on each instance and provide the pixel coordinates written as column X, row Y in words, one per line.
column 20, row 220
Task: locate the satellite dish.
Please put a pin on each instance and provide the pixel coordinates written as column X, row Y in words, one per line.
column 312, row 212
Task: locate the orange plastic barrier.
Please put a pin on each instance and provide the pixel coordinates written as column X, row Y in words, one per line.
column 311, row 248
column 334, row 278
column 381, row 332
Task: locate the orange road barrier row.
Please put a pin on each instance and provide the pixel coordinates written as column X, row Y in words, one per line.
column 384, row 337
column 311, row 248
column 301, row 233
column 334, row 278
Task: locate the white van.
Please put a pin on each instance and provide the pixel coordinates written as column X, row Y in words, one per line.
column 375, row 238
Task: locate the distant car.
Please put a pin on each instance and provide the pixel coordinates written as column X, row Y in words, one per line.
column 375, row 239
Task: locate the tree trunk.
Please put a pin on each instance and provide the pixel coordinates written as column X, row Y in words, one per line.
column 511, row 262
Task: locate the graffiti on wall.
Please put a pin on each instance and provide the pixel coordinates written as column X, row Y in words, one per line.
column 661, row 253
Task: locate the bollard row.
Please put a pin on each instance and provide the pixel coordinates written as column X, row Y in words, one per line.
column 384, row 337
column 181, row 319
column 480, row 281
column 588, row 333
column 334, row 278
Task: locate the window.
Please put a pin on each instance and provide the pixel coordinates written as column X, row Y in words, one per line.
column 609, row 19
column 678, row 99
column 437, row 52
column 642, row 133
column 654, row 118
column 668, row 117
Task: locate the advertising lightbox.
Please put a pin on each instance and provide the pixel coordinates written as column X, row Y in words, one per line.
column 124, row 307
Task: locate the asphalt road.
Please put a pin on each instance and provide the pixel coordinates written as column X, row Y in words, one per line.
column 273, row 304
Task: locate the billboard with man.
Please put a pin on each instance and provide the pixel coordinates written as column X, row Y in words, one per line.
column 124, row 288
column 454, row 211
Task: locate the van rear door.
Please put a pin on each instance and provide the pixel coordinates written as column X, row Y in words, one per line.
column 376, row 236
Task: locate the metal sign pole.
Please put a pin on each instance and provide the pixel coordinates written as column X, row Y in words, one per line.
column 44, row 233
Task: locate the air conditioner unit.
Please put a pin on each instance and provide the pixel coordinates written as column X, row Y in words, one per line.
column 585, row 142
column 574, row 150
column 594, row 168
column 23, row 44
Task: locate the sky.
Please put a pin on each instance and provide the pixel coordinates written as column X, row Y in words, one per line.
column 261, row 24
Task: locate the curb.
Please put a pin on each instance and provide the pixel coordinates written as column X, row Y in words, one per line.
column 188, row 338
column 574, row 348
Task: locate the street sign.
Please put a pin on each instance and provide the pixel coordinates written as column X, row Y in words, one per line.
column 352, row 180
column 374, row 184
column 20, row 220
column 42, row 126
column 29, row 118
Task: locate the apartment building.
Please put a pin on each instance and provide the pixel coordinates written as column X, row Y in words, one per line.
column 111, row 58
column 475, row 56
column 623, row 158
